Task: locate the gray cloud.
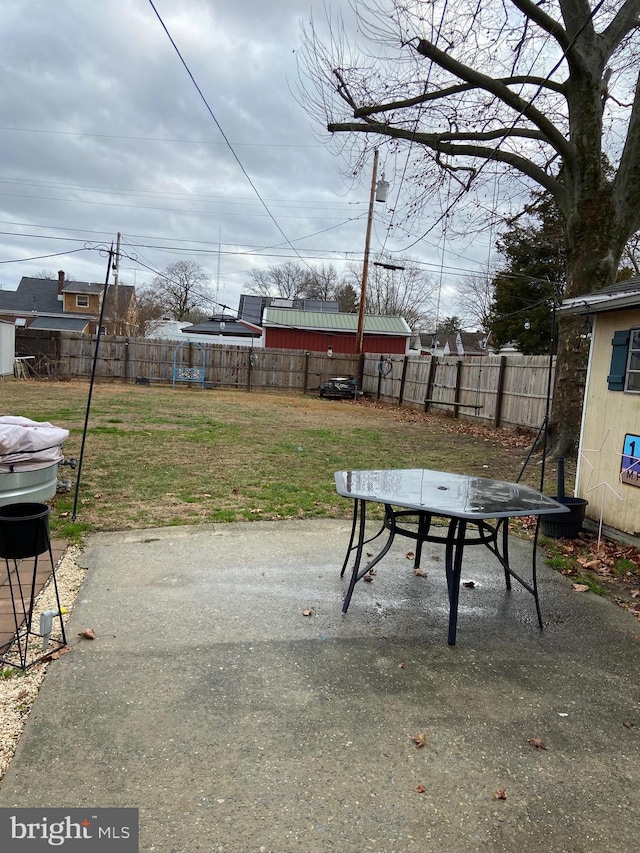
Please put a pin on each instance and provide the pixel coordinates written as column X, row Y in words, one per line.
column 101, row 130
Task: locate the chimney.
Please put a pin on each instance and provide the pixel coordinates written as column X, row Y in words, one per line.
column 60, row 281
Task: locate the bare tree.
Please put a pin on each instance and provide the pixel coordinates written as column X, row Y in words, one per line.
column 535, row 91
column 323, row 283
column 397, row 288
column 474, row 300
column 288, row 280
column 182, row 288
column 149, row 313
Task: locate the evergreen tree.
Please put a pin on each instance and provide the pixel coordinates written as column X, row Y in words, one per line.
column 533, row 276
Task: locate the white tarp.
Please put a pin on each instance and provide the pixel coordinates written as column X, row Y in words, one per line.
column 27, row 445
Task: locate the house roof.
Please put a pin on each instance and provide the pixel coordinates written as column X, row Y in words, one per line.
column 462, row 343
column 39, row 295
column 291, row 318
column 618, row 297
column 230, row 326
column 82, row 287
column 61, row 324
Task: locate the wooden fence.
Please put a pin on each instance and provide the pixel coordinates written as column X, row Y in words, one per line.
column 496, row 390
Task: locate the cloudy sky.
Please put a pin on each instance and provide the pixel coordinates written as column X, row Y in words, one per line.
column 103, row 131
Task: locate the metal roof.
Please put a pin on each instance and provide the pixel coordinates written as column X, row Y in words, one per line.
column 61, row 324
column 618, row 297
column 291, row 318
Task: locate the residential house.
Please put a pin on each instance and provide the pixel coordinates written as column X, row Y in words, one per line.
column 608, row 470
column 59, row 305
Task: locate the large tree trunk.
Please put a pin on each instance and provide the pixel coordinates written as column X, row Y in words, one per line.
column 593, row 252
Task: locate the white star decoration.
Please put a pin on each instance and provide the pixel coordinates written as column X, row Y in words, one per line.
column 603, row 485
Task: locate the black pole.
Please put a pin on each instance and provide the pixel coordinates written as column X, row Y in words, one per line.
column 91, row 384
column 545, row 432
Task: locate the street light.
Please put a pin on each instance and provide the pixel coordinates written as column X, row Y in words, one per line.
column 387, row 266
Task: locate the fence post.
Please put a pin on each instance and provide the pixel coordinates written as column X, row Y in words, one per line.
column 306, row 372
column 430, row 382
column 456, row 396
column 500, row 391
column 403, row 379
column 126, row 359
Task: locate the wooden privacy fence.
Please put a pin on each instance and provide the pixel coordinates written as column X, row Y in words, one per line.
column 159, row 361
column 496, row 390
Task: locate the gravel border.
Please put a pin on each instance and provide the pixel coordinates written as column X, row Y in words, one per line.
column 19, row 688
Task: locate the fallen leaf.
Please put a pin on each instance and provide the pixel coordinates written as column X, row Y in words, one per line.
column 579, row 587
column 367, row 578
column 87, row 634
column 500, row 794
column 410, row 555
column 307, row 612
column 401, row 665
column 56, row 654
column 419, row 739
column 420, row 789
column 635, row 593
column 23, row 693
column 469, row 584
column 627, row 724
column 537, row 742
column 419, row 573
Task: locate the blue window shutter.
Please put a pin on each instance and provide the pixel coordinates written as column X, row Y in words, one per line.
column 618, row 369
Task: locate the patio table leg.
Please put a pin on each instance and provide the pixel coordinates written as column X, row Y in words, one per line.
column 358, row 573
column 453, row 559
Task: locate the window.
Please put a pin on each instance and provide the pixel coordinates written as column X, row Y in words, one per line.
column 633, row 363
column 619, row 357
column 82, row 300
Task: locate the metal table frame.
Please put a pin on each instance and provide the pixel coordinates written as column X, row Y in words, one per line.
column 464, row 527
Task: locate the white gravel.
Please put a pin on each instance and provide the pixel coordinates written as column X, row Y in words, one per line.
column 18, row 688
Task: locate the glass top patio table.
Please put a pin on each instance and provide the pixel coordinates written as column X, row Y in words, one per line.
column 477, row 508
column 463, row 496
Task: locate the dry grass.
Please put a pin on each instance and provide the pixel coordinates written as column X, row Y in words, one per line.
column 155, row 456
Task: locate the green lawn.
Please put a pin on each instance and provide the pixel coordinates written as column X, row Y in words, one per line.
column 155, row 456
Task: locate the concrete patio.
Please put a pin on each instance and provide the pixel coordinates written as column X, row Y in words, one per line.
column 236, row 723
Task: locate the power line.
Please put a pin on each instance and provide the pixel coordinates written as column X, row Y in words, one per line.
column 157, row 138
column 241, row 200
column 219, row 126
column 42, row 257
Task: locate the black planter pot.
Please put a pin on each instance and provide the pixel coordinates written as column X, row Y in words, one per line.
column 24, row 530
column 564, row 525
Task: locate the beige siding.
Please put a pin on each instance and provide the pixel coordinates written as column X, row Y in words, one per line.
column 608, row 417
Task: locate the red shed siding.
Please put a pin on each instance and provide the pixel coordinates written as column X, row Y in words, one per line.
column 340, row 342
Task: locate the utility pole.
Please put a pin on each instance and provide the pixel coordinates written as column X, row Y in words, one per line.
column 365, row 265
column 116, row 292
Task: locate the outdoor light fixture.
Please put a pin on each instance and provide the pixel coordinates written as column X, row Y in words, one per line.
column 527, row 324
column 330, row 351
